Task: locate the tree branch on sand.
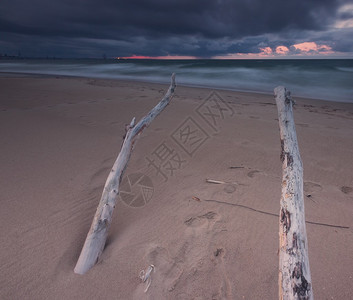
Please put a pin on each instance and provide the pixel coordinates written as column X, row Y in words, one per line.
column 294, row 270
column 97, row 235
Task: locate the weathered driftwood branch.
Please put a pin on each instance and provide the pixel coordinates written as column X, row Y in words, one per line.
column 97, row 235
column 294, row 271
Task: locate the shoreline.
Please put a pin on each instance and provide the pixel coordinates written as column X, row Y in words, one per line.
column 59, row 138
column 43, row 75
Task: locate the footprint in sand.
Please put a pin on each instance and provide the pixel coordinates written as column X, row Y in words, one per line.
column 252, row 173
column 311, row 187
column 202, row 220
column 229, row 188
column 198, row 255
column 207, row 256
column 225, row 291
column 346, row 189
column 167, row 272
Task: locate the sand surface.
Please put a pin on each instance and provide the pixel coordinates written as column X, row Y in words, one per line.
column 59, row 138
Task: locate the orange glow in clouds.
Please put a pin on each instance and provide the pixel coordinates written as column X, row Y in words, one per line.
column 312, row 47
column 282, row 50
column 265, row 51
column 302, row 49
column 296, row 50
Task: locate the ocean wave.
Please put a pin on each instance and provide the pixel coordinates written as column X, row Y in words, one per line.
column 343, row 69
column 321, row 79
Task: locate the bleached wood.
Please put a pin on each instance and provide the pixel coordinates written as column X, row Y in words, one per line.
column 294, row 270
column 97, row 235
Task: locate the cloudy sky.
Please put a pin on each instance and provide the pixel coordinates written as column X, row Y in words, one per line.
column 177, row 28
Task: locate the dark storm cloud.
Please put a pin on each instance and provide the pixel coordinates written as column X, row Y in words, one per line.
column 158, row 27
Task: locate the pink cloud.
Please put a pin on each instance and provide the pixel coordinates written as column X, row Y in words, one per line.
column 282, row 50
column 313, row 48
column 266, row 51
column 296, row 50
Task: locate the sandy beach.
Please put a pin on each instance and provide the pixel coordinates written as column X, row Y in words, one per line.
column 60, row 136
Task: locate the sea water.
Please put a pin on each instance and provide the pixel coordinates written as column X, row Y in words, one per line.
column 327, row 79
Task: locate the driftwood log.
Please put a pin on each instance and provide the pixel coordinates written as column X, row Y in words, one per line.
column 294, row 271
column 97, row 235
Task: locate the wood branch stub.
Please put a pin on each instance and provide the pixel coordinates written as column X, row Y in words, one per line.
column 294, row 270
column 97, row 235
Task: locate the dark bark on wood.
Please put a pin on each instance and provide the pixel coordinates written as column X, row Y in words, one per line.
column 294, row 270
